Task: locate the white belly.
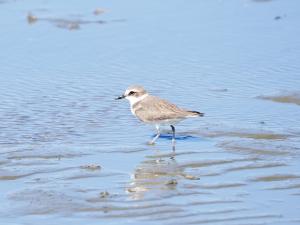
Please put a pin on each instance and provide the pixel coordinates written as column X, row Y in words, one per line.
column 165, row 122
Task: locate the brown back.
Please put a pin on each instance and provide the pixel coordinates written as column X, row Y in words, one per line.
column 153, row 108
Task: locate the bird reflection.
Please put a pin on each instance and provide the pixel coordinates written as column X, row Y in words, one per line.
column 158, row 173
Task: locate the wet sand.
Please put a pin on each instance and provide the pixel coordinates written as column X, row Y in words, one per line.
column 69, row 153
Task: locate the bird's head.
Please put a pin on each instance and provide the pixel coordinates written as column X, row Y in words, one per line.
column 134, row 94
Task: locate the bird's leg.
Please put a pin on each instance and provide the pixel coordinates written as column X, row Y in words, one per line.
column 152, row 142
column 173, row 137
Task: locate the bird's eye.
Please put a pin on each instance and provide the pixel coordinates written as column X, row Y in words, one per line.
column 131, row 93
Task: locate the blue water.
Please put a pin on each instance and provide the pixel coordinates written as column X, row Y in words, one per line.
column 60, row 73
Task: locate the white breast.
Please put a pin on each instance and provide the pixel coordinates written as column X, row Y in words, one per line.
column 133, row 100
column 132, row 110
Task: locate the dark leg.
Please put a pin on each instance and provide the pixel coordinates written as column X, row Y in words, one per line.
column 173, row 138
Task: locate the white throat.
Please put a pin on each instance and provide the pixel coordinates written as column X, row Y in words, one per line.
column 132, row 100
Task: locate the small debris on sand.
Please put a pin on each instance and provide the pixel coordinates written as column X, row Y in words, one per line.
column 99, row 11
column 70, row 25
column 104, row 194
column 218, row 89
column 91, row 167
column 172, row 182
column 190, row 177
column 31, row 18
column 277, row 18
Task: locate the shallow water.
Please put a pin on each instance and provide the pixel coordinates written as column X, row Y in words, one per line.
column 69, row 153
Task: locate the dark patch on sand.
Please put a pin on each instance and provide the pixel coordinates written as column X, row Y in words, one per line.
column 276, row 177
column 67, row 23
column 293, row 97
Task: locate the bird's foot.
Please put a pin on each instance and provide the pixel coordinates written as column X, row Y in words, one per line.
column 150, row 143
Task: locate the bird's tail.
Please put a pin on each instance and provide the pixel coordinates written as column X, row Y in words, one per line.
column 195, row 114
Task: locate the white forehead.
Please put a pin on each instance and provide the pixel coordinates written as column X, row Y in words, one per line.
column 137, row 89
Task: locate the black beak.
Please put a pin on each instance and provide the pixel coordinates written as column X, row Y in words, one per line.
column 120, row 97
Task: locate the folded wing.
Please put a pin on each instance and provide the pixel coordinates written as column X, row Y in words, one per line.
column 153, row 108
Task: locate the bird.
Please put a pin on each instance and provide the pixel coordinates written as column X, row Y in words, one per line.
column 156, row 111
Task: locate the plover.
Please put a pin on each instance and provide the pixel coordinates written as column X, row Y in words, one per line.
column 154, row 110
